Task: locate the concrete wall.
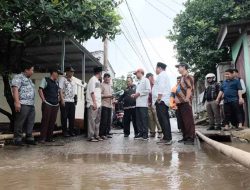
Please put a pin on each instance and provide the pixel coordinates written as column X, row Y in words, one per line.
column 37, row 77
column 244, row 41
column 221, row 67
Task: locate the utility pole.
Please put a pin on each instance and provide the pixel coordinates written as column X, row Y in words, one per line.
column 105, row 55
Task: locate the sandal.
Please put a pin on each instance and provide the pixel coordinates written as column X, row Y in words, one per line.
column 225, row 129
column 93, row 140
column 99, row 139
column 239, row 129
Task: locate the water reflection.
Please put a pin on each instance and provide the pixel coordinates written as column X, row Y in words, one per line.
column 155, row 170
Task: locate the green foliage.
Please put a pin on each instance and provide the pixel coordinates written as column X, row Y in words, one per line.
column 119, row 84
column 196, row 29
column 79, row 18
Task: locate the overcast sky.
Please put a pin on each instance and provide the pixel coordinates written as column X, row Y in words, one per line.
column 156, row 24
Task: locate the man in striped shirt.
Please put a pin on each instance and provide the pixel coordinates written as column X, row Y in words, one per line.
column 183, row 100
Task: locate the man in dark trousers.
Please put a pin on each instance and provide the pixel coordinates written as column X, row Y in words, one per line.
column 142, row 91
column 183, row 100
column 231, row 91
column 161, row 97
column 129, row 108
column 243, row 86
column 49, row 93
column 23, row 91
column 107, row 103
column 68, row 101
column 173, row 105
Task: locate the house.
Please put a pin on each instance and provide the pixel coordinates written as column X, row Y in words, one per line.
column 236, row 36
column 57, row 51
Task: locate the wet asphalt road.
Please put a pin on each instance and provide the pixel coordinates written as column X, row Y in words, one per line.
column 119, row 163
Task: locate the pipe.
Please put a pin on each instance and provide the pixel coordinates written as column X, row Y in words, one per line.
column 236, row 154
column 35, row 134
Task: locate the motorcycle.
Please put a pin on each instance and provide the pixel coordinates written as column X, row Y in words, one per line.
column 118, row 111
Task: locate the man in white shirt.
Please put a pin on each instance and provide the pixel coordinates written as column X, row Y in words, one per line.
column 68, row 95
column 161, row 97
column 142, row 92
column 94, row 102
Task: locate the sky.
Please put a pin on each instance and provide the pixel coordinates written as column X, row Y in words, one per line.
column 154, row 19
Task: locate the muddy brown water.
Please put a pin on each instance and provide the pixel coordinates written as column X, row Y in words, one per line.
column 119, row 164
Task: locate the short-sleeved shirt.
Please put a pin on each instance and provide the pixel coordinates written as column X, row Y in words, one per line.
column 68, row 86
column 230, row 89
column 94, row 86
column 106, row 91
column 26, row 89
column 187, row 82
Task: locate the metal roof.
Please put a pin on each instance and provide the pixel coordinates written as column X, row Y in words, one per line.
column 50, row 54
column 229, row 33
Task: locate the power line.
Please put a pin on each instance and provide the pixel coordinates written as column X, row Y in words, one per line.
column 150, row 42
column 152, row 45
column 124, row 55
column 131, row 37
column 140, row 58
column 177, row 3
column 132, row 41
column 139, row 34
column 159, row 10
column 165, row 5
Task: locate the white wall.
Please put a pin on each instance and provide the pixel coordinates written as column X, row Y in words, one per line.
column 37, row 77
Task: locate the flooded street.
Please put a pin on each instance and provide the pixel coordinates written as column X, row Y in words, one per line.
column 119, row 163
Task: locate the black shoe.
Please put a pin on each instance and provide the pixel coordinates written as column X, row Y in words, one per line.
column 18, row 143
column 31, row 142
column 181, row 141
column 138, row 136
column 65, row 134
column 211, row 128
column 168, row 142
column 152, row 135
column 109, row 136
column 161, row 141
column 218, row 128
column 145, row 138
column 72, row 134
column 50, row 140
column 189, row 142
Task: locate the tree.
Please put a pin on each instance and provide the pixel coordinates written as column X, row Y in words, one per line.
column 119, row 84
column 22, row 22
column 196, row 29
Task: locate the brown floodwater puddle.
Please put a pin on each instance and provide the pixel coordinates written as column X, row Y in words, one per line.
column 192, row 170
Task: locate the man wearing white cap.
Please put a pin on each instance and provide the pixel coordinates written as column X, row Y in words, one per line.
column 141, row 96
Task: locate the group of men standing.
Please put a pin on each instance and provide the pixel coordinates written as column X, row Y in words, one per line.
column 224, row 101
column 99, row 97
column 147, row 105
column 54, row 94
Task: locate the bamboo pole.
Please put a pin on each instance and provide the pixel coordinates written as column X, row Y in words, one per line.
column 35, row 134
column 236, row 154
